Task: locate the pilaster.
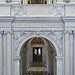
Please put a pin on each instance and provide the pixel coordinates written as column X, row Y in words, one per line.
column 9, row 54
column 67, row 53
column 4, row 53
column 71, row 53
column 16, row 65
column 1, row 54
column 59, row 65
column 74, row 53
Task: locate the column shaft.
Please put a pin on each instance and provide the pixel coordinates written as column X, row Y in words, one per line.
column 67, row 54
column 71, row 53
column 16, row 66
column 59, row 66
column 1, row 56
column 4, row 55
column 74, row 54
column 9, row 54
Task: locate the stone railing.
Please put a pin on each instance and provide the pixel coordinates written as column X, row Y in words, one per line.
column 31, row 69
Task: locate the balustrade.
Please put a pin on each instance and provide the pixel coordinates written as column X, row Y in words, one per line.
column 38, row 72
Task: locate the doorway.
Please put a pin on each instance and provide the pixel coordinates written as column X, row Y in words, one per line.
column 37, row 54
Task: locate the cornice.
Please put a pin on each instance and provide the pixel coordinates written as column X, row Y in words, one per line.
column 68, row 18
column 6, row 18
column 44, row 19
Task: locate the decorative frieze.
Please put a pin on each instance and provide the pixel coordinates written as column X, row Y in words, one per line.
column 37, row 25
column 53, row 10
column 20, row 36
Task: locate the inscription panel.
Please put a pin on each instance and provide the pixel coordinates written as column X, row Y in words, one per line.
column 38, row 25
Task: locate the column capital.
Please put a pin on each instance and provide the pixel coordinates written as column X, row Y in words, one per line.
column 6, row 32
column 66, row 31
column 59, row 58
column 17, row 57
column 1, row 32
column 10, row 32
column 74, row 31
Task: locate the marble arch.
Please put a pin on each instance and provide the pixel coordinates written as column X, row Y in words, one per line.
column 24, row 39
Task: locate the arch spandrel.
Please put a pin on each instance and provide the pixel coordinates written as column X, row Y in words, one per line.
column 24, row 39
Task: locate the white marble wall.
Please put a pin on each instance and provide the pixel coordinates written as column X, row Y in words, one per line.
column 67, row 28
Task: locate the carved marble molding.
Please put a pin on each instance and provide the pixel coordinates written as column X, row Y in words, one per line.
column 22, row 10
column 5, row 32
column 22, row 35
column 68, row 31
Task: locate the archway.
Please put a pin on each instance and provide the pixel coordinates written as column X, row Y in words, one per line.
column 24, row 39
column 38, row 56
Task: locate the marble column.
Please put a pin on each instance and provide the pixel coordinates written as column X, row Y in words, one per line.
column 47, row 61
column 67, row 53
column 4, row 54
column 17, row 66
column 1, row 55
column 9, row 54
column 59, row 65
column 72, row 53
